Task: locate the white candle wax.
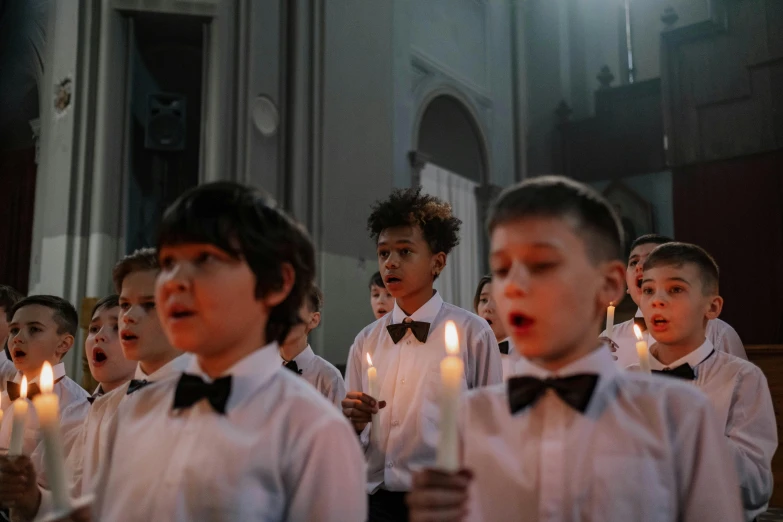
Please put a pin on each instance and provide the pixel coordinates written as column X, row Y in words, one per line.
column 20, row 408
column 372, row 381
column 641, row 350
column 47, row 407
column 451, row 370
column 609, row 320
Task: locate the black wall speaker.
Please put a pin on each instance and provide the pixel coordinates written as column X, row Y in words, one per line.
column 165, row 128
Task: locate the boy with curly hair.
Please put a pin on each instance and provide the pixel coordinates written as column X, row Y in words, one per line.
column 414, row 234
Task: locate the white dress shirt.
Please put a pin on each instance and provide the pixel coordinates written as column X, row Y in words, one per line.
column 723, row 337
column 740, row 395
column 322, row 374
column 73, row 409
column 280, row 452
column 645, row 450
column 409, row 382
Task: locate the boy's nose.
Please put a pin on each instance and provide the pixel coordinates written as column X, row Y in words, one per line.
column 516, row 283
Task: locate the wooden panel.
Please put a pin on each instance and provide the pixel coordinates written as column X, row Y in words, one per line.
column 770, row 359
column 717, row 78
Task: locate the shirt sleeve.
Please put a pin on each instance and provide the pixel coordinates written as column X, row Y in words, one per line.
column 316, row 495
column 337, row 390
column 707, row 480
column 752, row 434
column 729, row 341
column 486, row 362
column 354, row 382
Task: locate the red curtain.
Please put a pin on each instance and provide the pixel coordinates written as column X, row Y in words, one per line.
column 734, row 209
column 17, row 203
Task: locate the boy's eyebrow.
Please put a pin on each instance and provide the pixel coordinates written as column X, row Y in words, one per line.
column 29, row 323
column 668, row 279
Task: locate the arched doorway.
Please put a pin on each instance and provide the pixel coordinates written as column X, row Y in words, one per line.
column 452, row 165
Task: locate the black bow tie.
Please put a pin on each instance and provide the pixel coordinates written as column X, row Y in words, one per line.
column 641, row 323
column 14, row 389
column 683, row 371
column 192, row 388
column 574, row 390
column 420, row 330
column 136, row 385
column 291, row 365
column 504, row 347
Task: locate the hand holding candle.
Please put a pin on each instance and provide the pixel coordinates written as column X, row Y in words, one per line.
column 372, row 381
column 48, row 410
column 20, row 420
column 610, row 320
column 451, row 370
column 641, row 350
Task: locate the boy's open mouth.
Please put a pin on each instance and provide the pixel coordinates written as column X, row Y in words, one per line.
column 488, row 321
column 520, row 321
column 392, row 280
column 18, row 354
column 639, row 282
column 658, row 320
column 99, row 356
column 127, row 335
column 180, row 312
column 382, row 311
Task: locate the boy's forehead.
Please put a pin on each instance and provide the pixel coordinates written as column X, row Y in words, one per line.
column 407, row 233
column 34, row 313
column 643, row 250
column 141, row 282
column 687, row 271
column 547, row 232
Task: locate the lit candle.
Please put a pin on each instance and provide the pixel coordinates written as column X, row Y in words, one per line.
column 451, row 369
column 48, row 410
column 372, row 380
column 20, row 420
column 641, row 349
column 609, row 320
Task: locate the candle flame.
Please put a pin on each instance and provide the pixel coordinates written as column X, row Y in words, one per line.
column 47, row 378
column 23, row 389
column 369, row 359
column 637, row 331
column 452, row 338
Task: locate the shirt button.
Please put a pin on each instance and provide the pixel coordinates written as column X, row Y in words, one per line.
column 395, row 423
column 403, row 381
column 390, row 464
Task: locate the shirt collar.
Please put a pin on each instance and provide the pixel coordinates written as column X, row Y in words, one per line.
column 257, row 367
column 693, row 359
column 425, row 314
column 639, row 313
column 175, row 365
column 58, row 370
column 98, row 392
column 303, row 359
column 598, row 362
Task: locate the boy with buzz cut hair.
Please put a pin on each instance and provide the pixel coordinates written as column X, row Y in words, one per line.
column 723, row 337
column 297, row 355
column 571, row 437
column 680, row 295
column 381, row 300
column 42, row 329
column 235, row 436
column 414, row 233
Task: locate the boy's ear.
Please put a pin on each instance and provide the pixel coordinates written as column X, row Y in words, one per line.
column 438, row 264
column 65, row 344
column 716, row 305
column 315, row 320
column 613, row 283
column 275, row 297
